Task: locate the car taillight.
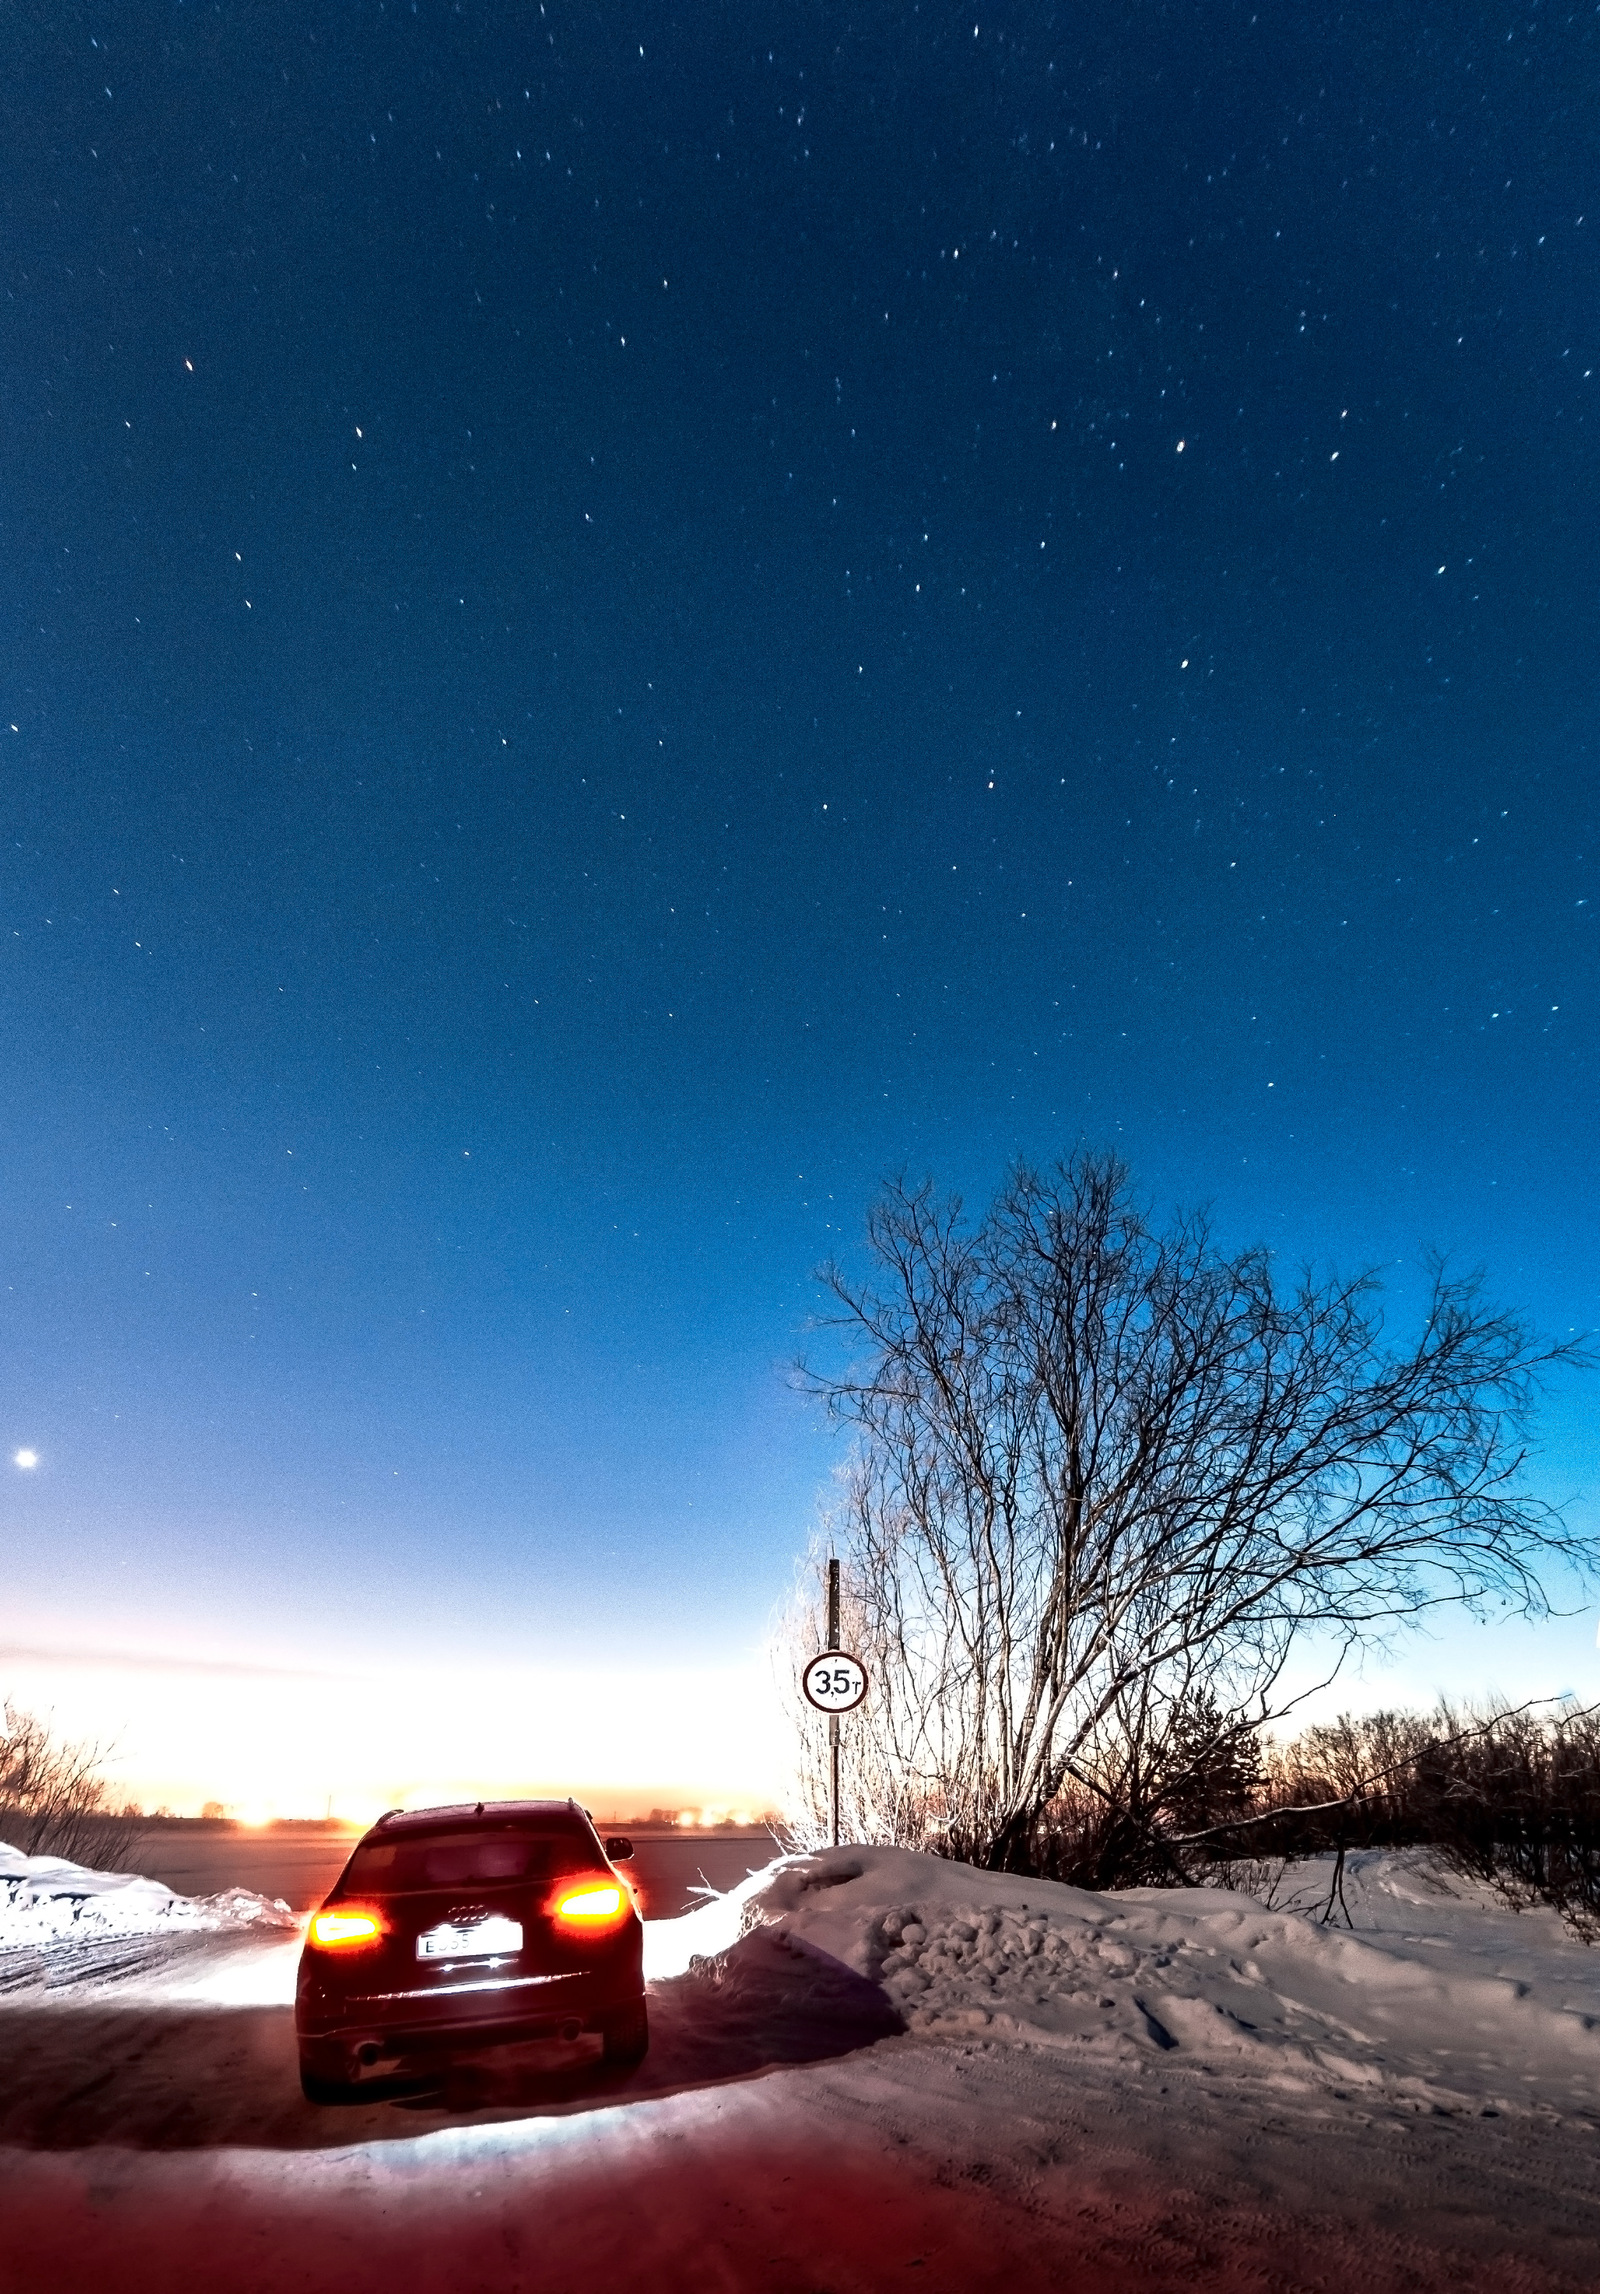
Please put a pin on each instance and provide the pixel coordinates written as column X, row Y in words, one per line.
column 596, row 1905
column 346, row 1928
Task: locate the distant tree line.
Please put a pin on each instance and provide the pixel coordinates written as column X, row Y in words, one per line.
column 1508, row 1795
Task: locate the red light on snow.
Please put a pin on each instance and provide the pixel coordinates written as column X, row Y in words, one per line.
column 345, row 1928
column 591, row 1907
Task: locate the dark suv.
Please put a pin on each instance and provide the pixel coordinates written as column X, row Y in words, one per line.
column 458, row 1928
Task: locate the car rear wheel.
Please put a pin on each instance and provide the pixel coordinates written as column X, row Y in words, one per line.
column 626, row 2033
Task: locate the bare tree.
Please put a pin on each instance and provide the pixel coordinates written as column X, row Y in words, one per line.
column 1105, row 1477
column 54, row 1800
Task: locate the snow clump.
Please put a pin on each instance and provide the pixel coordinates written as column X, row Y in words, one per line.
column 45, row 1899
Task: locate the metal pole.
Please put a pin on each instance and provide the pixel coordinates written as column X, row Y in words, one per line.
column 833, row 1718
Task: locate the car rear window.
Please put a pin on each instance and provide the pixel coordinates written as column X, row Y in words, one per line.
column 467, row 1859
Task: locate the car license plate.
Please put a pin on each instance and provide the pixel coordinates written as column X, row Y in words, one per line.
column 484, row 1939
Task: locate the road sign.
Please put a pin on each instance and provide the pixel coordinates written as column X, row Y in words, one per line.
column 834, row 1682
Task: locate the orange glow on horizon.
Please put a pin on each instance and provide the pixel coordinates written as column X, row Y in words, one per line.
column 188, row 1725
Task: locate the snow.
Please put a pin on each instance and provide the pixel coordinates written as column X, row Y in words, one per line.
column 868, row 2068
column 62, row 1923
column 1437, row 1994
column 1429, row 1990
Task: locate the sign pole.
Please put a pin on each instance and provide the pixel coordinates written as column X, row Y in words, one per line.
column 834, row 1682
column 833, row 1718
column 833, row 1763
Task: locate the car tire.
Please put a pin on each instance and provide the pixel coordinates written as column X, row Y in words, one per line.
column 317, row 2089
column 626, row 2034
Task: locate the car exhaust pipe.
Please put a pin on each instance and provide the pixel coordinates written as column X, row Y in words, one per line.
column 571, row 2029
column 368, row 2052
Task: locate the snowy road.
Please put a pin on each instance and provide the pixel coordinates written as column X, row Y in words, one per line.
column 788, row 2133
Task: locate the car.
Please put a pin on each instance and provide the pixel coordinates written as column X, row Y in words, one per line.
column 452, row 1929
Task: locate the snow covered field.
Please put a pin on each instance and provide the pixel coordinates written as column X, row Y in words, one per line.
column 868, row 2068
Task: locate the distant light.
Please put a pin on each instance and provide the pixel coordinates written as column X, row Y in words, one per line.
column 26, row 1459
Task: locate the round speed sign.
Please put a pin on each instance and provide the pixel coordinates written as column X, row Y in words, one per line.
column 835, row 1682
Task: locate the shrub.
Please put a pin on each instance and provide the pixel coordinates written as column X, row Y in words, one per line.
column 54, row 1799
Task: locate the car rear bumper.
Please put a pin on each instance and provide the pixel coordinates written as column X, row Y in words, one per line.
column 384, row 2031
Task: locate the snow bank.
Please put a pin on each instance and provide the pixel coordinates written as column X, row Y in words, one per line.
column 44, row 1899
column 1438, row 1996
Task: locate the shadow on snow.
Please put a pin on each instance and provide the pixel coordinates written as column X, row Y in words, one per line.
column 144, row 2076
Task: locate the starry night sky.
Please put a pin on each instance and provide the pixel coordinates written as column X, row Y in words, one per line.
column 617, row 620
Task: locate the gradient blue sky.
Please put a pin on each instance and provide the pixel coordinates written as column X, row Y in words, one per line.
column 616, row 620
